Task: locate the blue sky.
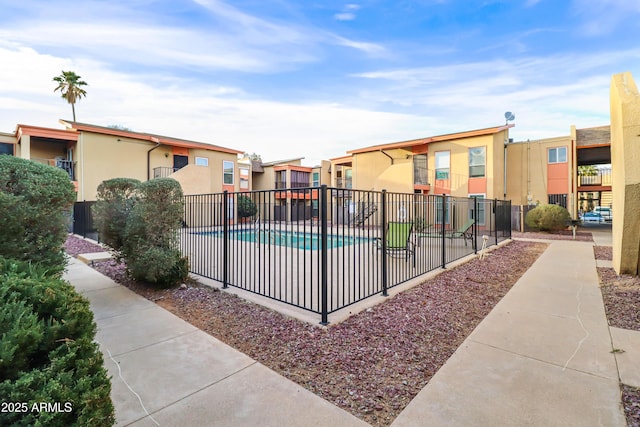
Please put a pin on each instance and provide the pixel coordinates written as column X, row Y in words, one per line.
column 314, row 79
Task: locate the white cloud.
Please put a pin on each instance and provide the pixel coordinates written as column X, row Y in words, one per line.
column 345, row 16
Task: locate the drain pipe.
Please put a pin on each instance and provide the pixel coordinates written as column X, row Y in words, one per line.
column 157, row 141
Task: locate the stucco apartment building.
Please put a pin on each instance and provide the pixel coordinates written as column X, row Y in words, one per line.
column 486, row 163
column 288, row 175
column 91, row 154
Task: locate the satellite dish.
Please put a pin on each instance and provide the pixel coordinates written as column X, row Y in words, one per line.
column 509, row 116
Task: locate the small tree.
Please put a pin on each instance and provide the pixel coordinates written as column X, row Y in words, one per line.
column 34, row 201
column 548, row 217
column 246, row 207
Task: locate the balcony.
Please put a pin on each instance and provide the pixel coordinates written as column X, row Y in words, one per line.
column 65, row 165
column 597, row 178
column 344, row 183
column 163, row 171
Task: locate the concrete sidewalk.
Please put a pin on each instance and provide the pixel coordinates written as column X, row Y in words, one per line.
column 542, row 357
column 167, row 372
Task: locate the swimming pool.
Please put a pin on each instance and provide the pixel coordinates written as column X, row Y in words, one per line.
column 291, row 239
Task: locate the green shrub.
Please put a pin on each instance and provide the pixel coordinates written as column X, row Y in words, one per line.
column 114, row 200
column 47, row 351
column 34, row 199
column 548, row 218
column 246, row 207
column 151, row 234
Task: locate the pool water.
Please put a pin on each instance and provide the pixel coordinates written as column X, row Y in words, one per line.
column 290, row 239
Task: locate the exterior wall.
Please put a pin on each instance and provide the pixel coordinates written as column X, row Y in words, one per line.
column 530, row 179
column 625, row 158
column 459, row 182
column 194, row 179
column 101, row 157
column 376, row 171
column 104, row 157
column 215, row 166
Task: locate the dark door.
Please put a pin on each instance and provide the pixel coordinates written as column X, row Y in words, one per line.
column 179, row 161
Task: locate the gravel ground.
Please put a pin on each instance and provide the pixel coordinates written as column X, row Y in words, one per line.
column 584, row 236
column 373, row 363
column 621, row 295
column 603, row 252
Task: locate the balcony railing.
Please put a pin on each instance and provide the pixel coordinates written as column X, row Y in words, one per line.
column 163, row 171
column 600, row 177
column 65, row 165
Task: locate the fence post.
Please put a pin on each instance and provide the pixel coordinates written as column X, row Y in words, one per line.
column 324, row 310
column 225, row 239
column 383, row 243
column 443, row 230
column 495, row 219
column 475, row 225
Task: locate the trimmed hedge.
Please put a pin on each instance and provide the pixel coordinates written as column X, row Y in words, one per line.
column 115, row 199
column 34, row 199
column 47, row 353
column 141, row 221
column 548, row 217
column 151, row 234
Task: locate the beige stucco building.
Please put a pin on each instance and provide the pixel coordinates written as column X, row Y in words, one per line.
column 459, row 164
column 91, row 154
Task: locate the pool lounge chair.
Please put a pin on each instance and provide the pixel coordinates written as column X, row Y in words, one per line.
column 465, row 232
column 399, row 242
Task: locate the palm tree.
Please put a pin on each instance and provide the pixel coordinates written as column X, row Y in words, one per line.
column 70, row 86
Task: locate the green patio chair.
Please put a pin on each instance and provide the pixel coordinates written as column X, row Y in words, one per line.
column 465, row 231
column 399, row 242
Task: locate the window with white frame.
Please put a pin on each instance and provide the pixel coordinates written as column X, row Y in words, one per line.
column 477, row 162
column 227, row 172
column 202, row 161
column 480, row 204
column 315, row 179
column 443, row 163
column 557, row 155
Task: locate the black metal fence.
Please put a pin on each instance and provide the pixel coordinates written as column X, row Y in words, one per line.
column 323, row 249
column 82, row 221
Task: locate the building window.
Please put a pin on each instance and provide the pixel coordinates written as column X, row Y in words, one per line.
column 244, row 178
column 480, row 203
column 420, row 169
column 558, row 155
column 477, row 162
column 315, row 179
column 6, row 149
column 442, row 164
column 202, row 161
column 227, row 172
column 299, row 179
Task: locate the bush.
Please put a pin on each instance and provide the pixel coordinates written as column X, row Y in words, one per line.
column 47, row 351
column 151, row 234
column 548, row 218
column 246, row 207
column 34, row 200
column 114, row 200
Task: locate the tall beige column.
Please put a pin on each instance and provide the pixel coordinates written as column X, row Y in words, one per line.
column 625, row 169
column 25, row 147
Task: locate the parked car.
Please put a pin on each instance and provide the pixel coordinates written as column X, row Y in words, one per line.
column 591, row 217
column 604, row 212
